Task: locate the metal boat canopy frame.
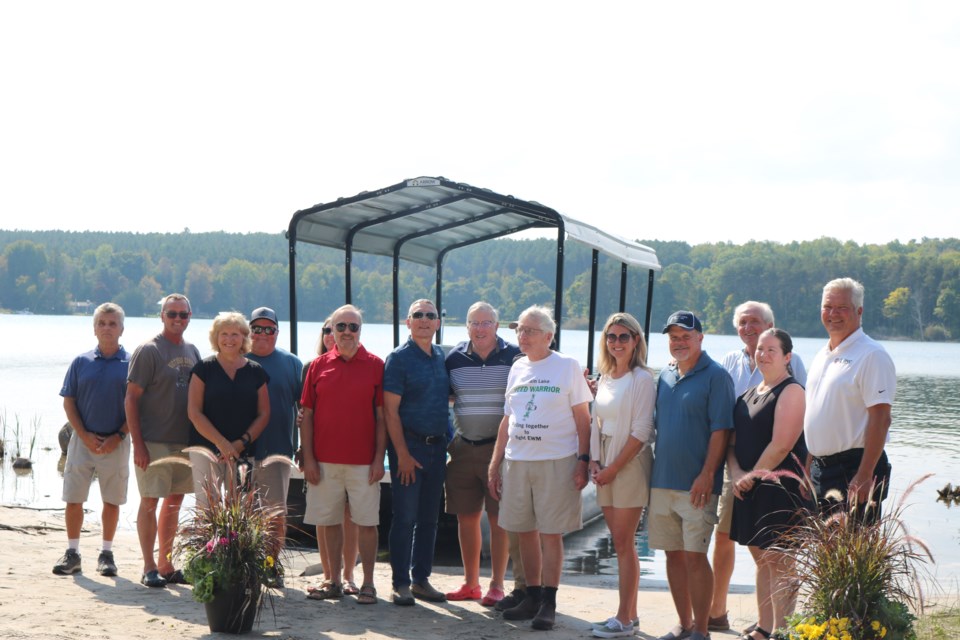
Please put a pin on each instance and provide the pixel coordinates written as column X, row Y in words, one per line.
column 422, row 219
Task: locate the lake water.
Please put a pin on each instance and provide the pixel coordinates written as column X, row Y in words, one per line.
column 925, row 436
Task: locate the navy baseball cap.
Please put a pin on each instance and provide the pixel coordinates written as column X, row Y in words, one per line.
column 264, row 313
column 685, row 320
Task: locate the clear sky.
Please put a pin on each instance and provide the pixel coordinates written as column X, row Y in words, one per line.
column 714, row 121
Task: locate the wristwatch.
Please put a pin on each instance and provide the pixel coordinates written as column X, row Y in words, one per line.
column 584, row 457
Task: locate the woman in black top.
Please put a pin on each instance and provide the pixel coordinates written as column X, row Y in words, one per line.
column 768, row 421
column 227, row 402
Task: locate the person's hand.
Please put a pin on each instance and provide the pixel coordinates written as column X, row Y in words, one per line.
column 311, row 471
column 108, row 444
column 90, row 440
column 700, row 491
column 591, row 382
column 593, row 469
column 580, row 475
column 743, row 486
column 141, row 457
column 605, row 476
column 495, row 483
column 407, row 469
column 859, row 489
column 376, row 472
column 299, row 416
column 228, row 450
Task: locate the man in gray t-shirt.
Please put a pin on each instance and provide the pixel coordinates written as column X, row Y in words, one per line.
column 156, row 407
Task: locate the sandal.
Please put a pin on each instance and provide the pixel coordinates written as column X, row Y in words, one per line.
column 749, row 636
column 367, row 594
column 350, row 588
column 326, row 591
column 153, row 579
column 174, row 577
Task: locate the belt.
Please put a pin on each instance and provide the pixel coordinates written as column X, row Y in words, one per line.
column 839, row 458
column 480, row 442
column 425, row 439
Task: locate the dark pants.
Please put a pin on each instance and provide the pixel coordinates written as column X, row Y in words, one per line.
column 416, row 507
column 834, row 472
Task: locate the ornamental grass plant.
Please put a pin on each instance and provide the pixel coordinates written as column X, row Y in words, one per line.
column 858, row 578
column 233, row 540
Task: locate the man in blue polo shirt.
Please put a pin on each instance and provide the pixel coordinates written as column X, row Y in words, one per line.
column 416, row 389
column 93, row 392
column 478, row 370
column 694, row 416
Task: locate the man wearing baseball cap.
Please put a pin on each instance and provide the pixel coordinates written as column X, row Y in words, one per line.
column 694, row 418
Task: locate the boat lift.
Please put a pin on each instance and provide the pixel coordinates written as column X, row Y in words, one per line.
column 421, row 220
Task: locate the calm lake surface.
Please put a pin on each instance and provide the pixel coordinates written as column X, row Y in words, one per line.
column 925, row 436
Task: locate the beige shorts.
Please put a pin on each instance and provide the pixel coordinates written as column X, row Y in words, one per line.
column 631, row 488
column 273, row 483
column 466, row 483
column 725, row 510
column 208, row 476
column 112, row 471
column 325, row 501
column 540, row 495
column 673, row 524
column 164, row 480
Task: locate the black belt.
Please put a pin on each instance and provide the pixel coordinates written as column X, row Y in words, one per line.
column 839, row 458
column 425, row 439
column 479, row 443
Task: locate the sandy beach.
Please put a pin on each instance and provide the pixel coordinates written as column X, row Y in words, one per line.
column 34, row 603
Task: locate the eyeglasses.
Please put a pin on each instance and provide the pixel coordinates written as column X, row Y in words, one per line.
column 480, row 324
column 528, row 331
column 343, row 326
column 327, row 330
column 257, row 329
column 416, row 315
column 619, row 337
column 173, row 314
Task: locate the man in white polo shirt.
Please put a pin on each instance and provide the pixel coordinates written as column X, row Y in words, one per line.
column 850, row 389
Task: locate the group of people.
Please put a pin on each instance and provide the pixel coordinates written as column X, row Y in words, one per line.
column 530, row 430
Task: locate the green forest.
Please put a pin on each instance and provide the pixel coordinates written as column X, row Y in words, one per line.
column 913, row 289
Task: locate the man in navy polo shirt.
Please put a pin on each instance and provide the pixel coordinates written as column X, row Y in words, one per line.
column 694, row 418
column 416, row 390
column 93, row 392
column 478, row 370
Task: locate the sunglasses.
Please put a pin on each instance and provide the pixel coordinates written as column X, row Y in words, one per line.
column 257, row 329
column 343, row 326
column 416, row 315
column 622, row 338
column 327, row 330
column 173, row 314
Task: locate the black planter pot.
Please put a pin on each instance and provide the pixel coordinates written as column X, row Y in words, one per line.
column 234, row 608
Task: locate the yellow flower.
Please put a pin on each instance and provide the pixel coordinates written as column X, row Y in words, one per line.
column 269, row 562
column 875, row 625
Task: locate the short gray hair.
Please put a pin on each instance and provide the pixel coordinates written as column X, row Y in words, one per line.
column 543, row 316
column 483, row 306
column 422, row 301
column 173, row 297
column 847, row 284
column 108, row 307
column 765, row 312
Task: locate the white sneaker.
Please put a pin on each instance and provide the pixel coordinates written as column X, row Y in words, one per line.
column 613, row 628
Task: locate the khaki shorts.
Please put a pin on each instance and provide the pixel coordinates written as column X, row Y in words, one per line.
column 674, row 524
column 112, row 471
column 207, row 476
column 539, row 495
column 325, row 501
column 273, row 483
column 725, row 510
column 466, row 483
column 631, row 488
column 165, row 479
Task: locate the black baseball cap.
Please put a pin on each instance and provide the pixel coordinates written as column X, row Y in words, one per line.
column 685, row 320
column 264, row 313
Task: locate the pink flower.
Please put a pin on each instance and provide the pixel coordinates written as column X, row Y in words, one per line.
column 211, row 545
column 224, row 541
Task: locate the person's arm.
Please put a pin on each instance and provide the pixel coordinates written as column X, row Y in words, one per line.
column 702, row 486
column 202, row 424
column 380, row 446
column 494, row 479
column 89, row 439
column 263, row 416
column 878, row 424
column 311, row 470
column 406, row 463
column 787, row 427
column 581, row 417
column 131, row 406
column 630, row 449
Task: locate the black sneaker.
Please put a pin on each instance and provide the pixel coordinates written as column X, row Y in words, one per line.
column 526, row 610
column 509, row 602
column 546, row 616
column 68, row 564
column 105, row 564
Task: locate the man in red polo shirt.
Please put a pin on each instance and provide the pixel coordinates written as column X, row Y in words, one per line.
column 344, row 437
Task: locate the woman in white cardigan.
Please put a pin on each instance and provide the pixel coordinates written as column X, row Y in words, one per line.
column 621, row 456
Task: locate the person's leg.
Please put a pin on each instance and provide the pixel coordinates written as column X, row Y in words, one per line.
column 551, row 545
column 623, row 529
column 324, row 553
column 516, row 561
column 147, row 531
column 110, row 517
column 428, row 511
column 405, row 500
column 498, row 552
column 764, row 593
column 724, row 556
column 350, row 544
column 367, row 539
column 782, row 590
column 468, row 529
column 334, row 537
column 700, row 587
column 532, row 555
column 677, row 579
column 167, row 523
column 73, row 514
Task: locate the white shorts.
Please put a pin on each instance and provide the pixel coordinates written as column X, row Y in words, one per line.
column 326, row 500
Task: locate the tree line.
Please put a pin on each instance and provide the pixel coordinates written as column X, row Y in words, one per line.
column 913, row 289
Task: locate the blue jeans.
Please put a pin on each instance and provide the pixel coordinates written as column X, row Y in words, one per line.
column 416, row 506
